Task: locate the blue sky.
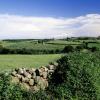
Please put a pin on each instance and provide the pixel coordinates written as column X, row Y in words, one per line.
column 51, row 8
column 49, row 18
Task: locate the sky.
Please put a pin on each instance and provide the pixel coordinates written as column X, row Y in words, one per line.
column 21, row 19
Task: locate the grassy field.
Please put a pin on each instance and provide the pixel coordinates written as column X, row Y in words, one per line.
column 50, row 45
column 12, row 61
column 64, row 42
column 94, row 45
column 8, row 62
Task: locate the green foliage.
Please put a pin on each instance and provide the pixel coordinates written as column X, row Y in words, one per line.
column 4, row 87
column 36, row 46
column 68, row 49
column 60, row 92
column 40, row 95
column 32, row 47
column 46, row 46
column 79, row 48
column 93, row 49
column 10, row 91
column 72, row 77
column 15, row 92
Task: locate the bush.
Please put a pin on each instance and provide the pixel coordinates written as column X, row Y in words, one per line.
column 28, row 51
column 68, row 49
column 9, row 91
column 93, row 49
column 30, row 95
column 79, row 47
column 73, row 80
column 85, row 45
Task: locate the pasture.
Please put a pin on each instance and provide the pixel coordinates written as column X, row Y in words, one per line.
column 34, row 45
column 8, row 62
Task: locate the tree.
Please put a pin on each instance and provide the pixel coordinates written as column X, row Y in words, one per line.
column 68, row 49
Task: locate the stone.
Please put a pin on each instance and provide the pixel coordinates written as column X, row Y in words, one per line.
column 31, row 71
column 25, row 86
column 36, row 88
column 20, row 71
column 26, row 74
column 26, row 80
column 42, row 68
column 14, row 73
column 31, row 82
column 51, row 67
column 14, row 79
column 19, row 76
column 41, row 71
column 33, row 75
column 46, row 69
column 22, row 79
column 24, row 69
column 33, row 79
column 16, row 69
column 41, row 83
column 37, row 78
column 45, row 74
column 46, row 84
column 51, row 71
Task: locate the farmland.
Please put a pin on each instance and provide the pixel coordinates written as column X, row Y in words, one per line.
column 76, row 77
column 34, row 45
column 8, row 62
column 40, row 58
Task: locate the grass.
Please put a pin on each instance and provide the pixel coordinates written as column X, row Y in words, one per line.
column 8, row 62
column 94, row 45
column 50, row 45
column 64, row 42
column 32, row 45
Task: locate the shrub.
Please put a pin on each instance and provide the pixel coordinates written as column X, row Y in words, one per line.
column 72, row 79
column 68, row 49
column 93, row 49
column 40, row 95
column 85, row 45
column 79, row 47
column 9, row 91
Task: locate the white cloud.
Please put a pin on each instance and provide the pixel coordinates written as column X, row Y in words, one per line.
column 14, row 26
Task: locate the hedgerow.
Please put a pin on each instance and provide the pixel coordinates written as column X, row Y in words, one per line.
column 74, row 77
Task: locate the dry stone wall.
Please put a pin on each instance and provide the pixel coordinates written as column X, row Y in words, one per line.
column 33, row 79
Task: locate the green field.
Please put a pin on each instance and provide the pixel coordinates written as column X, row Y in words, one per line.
column 94, row 45
column 8, row 62
column 12, row 61
column 30, row 44
column 64, row 42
